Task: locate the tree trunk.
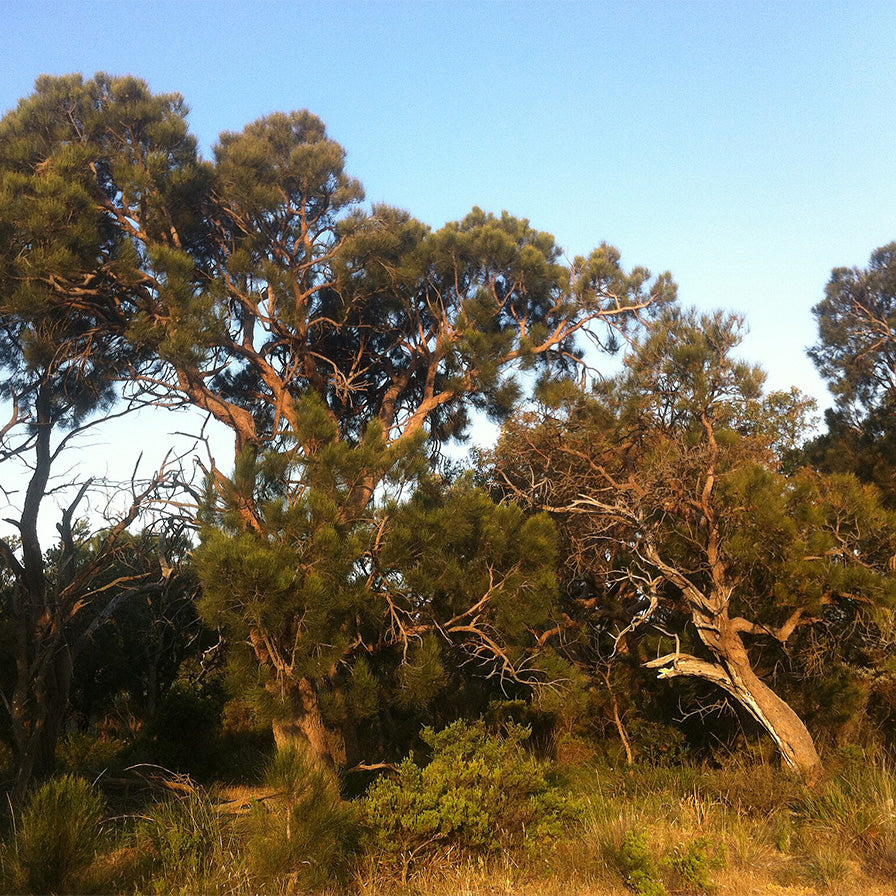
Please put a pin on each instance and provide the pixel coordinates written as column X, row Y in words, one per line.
column 304, row 724
column 734, row 672
column 39, row 708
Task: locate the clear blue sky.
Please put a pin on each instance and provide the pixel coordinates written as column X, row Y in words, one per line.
column 748, row 147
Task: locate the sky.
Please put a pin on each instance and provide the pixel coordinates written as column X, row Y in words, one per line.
column 747, row 147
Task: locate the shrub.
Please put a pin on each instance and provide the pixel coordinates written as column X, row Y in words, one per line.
column 691, row 866
column 638, row 866
column 479, row 792
column 57, row 836
column 89, row 755
column 656, row 743
column 305, row 831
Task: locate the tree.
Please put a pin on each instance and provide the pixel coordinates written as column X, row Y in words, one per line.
column 670, row 493
column 856, row 350
column 54, row 600
column 65, row 281
column 136, row 644
column 339, row 612
column 856, row 354
column 246, row 286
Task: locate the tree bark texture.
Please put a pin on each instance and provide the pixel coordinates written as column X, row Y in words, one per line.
column 305, row 725
column 734, row 673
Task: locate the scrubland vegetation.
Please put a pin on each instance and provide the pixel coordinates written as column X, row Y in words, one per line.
column 480, row 813
column 644, row 643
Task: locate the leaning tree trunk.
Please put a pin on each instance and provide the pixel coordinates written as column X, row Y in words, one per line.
column 733, row 672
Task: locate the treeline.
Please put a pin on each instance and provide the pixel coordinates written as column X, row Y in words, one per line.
column 654, row 563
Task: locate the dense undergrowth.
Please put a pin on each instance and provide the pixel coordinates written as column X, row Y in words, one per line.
column 477, row 813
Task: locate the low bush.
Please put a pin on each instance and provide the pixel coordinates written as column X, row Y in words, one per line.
column 87, row 754
column 304, row 831
column 56, row 837
column 478, row 792
column 691, row 865
column 639, row 868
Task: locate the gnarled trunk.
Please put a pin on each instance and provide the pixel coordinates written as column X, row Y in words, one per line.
column 303, row 723
column 734, row 672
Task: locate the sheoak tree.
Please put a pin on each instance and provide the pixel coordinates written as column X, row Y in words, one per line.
column 667, row 483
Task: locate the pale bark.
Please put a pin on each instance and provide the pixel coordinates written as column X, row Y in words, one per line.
column 734, row 673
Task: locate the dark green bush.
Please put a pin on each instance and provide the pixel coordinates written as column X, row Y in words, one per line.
column 656, row 743
column 88, row 754
column 479, row 792
column 184, row 735
column 57, row 837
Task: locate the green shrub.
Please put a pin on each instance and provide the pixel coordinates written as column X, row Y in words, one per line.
column 305, row 832
column 479, row 792
column 87, row 754
column 57, row 836
column 655, row 743
column 691, row 866
column 639, row 868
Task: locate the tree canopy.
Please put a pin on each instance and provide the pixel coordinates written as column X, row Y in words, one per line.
column 667, row 484
column 359, row 584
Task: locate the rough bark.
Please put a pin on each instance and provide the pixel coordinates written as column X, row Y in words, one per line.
column 305, row 725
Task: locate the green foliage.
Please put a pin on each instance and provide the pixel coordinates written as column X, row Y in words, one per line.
column 854, row 353
column 56, row 837
column 89, row 754
column 479, row 791
column 857, row 332
column 656, row 743
column 639, row 867
column 691, row 866
column 335, row 341
column 304, row 832
column 667, row 483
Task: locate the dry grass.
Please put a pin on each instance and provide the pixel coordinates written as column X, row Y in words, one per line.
column 746, row 831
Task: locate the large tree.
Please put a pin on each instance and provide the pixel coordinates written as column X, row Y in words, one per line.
column 667, row 483
column 70, row 278
column 337, row 621
column 256, row 288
